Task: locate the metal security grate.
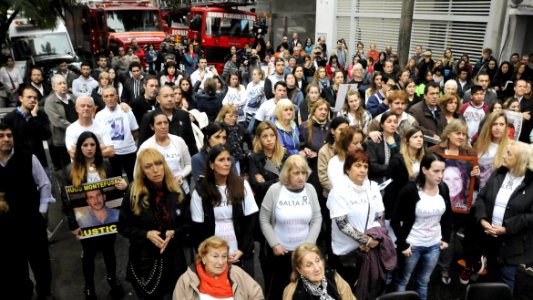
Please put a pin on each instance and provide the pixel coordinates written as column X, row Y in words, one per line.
column 437, row 24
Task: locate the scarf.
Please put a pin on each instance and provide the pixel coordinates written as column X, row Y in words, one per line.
column 324, row 83
column 161, row 213
column 320, row 291
column 215, row 287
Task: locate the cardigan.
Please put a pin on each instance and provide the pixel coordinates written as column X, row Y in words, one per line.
column 267, row 214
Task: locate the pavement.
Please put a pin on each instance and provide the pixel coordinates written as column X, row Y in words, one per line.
column 68, row 282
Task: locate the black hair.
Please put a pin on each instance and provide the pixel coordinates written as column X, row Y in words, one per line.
column 282, row 83
column 209, row 130
column 135, row 64
column 85, row 64
column 426, row 162
column 336, row 122
column 431, row 84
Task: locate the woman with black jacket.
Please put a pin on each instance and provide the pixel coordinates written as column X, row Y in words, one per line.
column 153, row 218
column 223, row 205
column 422, row 223
column 503, row 217
column 381, row 153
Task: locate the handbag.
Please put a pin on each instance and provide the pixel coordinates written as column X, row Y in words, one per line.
column 353, row 258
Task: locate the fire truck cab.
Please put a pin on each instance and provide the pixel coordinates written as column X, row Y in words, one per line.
column 99, row 25
column 216, row 26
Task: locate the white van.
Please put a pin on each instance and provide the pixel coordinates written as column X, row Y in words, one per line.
column 31, row 45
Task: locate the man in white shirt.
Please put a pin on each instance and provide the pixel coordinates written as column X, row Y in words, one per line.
column 474, row 111
column 266, row 110
column 85, row 122
column 84, row 85
column 202, row 73
column 123, row 129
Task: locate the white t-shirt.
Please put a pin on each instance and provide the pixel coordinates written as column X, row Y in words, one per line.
column 238, row 99
column 83, row 87
column 195, row 76
column 426, row 229
column 353, row 201
column 473, row 116
column 509, row 185
column 266, row 111
column 293, row 215
column 485, row 163
column 335, row 170
column 120, row 125
column 255, row 96
column 223, row 214
column 173, row 158
column 75, row 129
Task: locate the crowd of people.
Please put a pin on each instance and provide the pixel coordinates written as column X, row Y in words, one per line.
column 344, row 204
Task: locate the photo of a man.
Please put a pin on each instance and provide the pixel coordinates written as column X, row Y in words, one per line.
column 97, row 213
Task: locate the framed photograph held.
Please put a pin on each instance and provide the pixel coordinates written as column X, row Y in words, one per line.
column 460, row 183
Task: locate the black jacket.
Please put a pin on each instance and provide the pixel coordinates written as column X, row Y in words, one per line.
column 404, row 217
column 180, row 125
column 209, row 103
column 397, row 171
column 517, row 243
column 30, row 134
column 128, row 93
column 377, row 169
column 256, row 165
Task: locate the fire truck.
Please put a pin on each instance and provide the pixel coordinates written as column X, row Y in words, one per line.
column 99, row 25
column 215, row 25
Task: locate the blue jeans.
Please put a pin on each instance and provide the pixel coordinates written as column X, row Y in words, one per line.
column 426, row 258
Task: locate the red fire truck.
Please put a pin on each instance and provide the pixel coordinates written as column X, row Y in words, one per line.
column 214, row 25
column 98, row 25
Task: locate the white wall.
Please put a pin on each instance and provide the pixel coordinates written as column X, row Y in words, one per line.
column 325, row 21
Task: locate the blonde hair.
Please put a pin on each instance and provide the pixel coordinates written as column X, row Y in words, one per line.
column 279, row 151
column 522, row 153
column 226, row 109
column 293, row 162
column 404, row 150
column 298, row 255
column 485, row 139
column 213, row 242
column 139, row 193
column 280, row 107
column 455, row 125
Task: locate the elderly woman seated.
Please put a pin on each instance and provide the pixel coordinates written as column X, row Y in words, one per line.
column 211, row 277
column 311, row 280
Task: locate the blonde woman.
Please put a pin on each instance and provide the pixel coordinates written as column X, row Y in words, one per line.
column 290, row 215
column 491, row 144
column 152, row 218
column 288, row 132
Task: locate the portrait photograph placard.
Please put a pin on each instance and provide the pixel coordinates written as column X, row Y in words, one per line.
column 96, row 206
column 460, row 183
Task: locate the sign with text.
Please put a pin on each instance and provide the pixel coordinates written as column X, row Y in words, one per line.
column 96, row 206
